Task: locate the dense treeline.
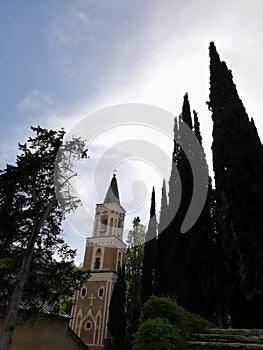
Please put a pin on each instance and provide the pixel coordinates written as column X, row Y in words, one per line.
column 215, row 269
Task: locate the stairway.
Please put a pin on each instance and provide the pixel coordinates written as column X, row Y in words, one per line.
column 227, row 339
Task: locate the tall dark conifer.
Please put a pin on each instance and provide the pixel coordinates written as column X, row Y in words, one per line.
column 186, row 112
column 162, row 241
column 149, row 258
column 207, row 254
column 197, row 128
column 194, row 249
column 172, row 245
column 185, row 261
column 117, row 322
column 238, row 167
column 164, row 209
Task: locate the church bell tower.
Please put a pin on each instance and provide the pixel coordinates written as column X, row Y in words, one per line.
column 104, row 256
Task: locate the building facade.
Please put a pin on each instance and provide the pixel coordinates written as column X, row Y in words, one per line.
column 44, row 331
column 104, row 256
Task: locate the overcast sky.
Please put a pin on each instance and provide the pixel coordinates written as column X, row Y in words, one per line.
column 61, row 60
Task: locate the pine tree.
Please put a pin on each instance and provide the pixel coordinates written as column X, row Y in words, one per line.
column 149, row 257
column 238, row 168
column 117, row 318
column 30, row 232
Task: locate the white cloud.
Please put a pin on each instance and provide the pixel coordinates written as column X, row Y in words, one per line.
column 83, row 15
column 35, row 101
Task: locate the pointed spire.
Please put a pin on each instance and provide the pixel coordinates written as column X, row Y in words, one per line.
column 112, row 195
column 186, row 112
column 197, row 128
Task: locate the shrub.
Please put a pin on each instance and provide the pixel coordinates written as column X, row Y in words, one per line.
column 163, row 307
column 158, row 334
column 198, row 323
column 168, row 308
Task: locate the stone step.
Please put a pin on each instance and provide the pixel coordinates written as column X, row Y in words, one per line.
column 199, row 345
column 235, row 331
column 227, row 338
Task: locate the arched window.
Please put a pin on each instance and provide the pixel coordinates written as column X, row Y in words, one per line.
column 119, row 266
column 97, row 264
column 104, row 223
column 83, row 292
column 98, row 250
column 101, row 292
column 111, row 225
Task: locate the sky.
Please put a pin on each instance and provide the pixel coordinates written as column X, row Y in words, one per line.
column 62, row 60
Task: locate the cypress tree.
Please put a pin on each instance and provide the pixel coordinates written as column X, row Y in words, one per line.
column 186, row 112
column 181, row 255
column 186, row 266
column 172, row 245
column 183, row 164
column 164, row 209
column 117, row 320
column 134, row 259
column 201, row 245
column 194, row 250
column 197, row 128
column 162, row 241
column 238, row 168
column 149, row 258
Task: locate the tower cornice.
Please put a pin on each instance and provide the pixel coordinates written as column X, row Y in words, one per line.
column 107, row 241
column 111, row 206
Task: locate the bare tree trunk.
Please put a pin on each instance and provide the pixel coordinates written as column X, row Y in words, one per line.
column 11, row 314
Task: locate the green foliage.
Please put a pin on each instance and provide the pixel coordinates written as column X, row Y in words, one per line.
column 30, row 222
column 36, row 264
column 55, row 282
column 165, row 308
column 238, row 167
column 158, row 334
column 169, row 309
column 166, row 325
column 196, row 323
